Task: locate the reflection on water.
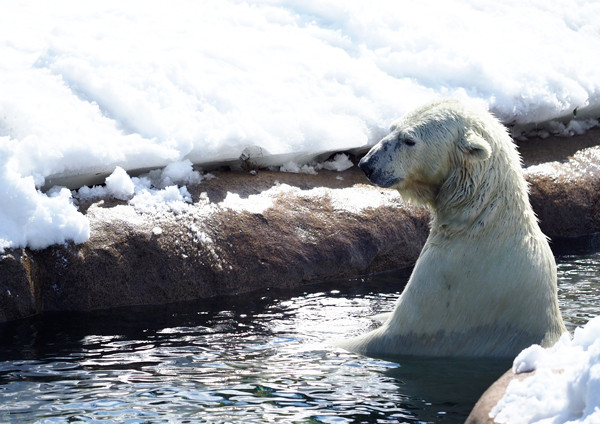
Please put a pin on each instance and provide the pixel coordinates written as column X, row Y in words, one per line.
column 254, row 358
column 579, row 288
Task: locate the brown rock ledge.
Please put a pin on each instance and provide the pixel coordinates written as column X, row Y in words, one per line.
column 481, row 411
column 282, row 230
column 311, row 229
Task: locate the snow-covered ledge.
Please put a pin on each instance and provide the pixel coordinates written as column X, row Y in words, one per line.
column 242, row 231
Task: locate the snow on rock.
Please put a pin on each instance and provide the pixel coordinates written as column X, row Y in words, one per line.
column 565, row 387
column 254, row 203
column 171, row 198
column 31, row 218
column 339, row 163
column 181, row 173
column 291, row 166
column 583, row 163
column 353, row 200
column 573, row 127
column 156, row 191
column 350, row 199
column 119, row 185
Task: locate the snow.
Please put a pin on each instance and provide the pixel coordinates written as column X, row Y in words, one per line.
column 88, row 88
column 171, row 198
column 350, row 199
column 119, row 185
column 30, row 218
column 354, row 199
column 255, row 203
column 339, row 163
column 153, row 192
column 293, row 167
column 565, row 387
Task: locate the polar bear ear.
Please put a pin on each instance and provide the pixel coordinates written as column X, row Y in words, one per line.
column 474, row 146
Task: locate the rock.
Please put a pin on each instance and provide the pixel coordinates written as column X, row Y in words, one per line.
column 566, row 196
column 481, row 411
column 564, row 177
column 248, row 231
column 241, row 233
column 19, row 296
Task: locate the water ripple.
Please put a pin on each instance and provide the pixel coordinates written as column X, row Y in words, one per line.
column 255, row 358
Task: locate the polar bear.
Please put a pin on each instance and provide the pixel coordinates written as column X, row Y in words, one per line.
column 485, row 281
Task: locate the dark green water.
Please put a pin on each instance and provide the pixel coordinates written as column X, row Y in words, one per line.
column 265, row 357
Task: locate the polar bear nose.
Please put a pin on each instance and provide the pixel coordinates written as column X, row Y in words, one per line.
column 371, row 165
column 366, row 167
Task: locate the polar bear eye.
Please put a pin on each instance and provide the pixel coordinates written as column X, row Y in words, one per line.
column 409, row 142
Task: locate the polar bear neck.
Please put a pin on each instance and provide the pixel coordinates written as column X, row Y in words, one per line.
column 479, row 197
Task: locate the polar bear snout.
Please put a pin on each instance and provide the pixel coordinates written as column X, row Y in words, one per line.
column 366, row 166
column 376, row 169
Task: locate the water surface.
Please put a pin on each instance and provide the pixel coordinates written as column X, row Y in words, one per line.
column 265, row 357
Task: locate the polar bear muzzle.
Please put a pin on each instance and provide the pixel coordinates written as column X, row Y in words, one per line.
column 377, row 169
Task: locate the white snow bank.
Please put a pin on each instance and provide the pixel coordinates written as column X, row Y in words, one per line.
column 31, row 218
column 565, row 387
column 86, row 87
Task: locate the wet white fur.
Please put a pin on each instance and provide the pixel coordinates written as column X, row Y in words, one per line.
column 485, row 281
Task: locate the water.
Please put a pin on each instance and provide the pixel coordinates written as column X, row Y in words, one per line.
column 265, row 357
column 579, row 288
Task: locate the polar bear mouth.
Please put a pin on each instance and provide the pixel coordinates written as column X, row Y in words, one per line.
column 384, row 180
column 377, row 175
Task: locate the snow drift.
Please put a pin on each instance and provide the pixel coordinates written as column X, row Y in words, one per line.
column 89, row 87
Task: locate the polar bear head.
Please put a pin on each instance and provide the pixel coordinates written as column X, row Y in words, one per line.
column 428, row 145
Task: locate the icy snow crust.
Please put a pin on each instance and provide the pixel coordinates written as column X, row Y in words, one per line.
column 565, row 387
column 87, row 88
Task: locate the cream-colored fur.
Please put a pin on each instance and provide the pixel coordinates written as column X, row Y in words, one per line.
column 485, row 282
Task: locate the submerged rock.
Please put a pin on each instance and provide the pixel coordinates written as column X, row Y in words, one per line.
column 243, row 232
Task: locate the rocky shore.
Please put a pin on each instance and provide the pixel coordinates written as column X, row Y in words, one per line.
column 481, row 411
column 245, row 231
